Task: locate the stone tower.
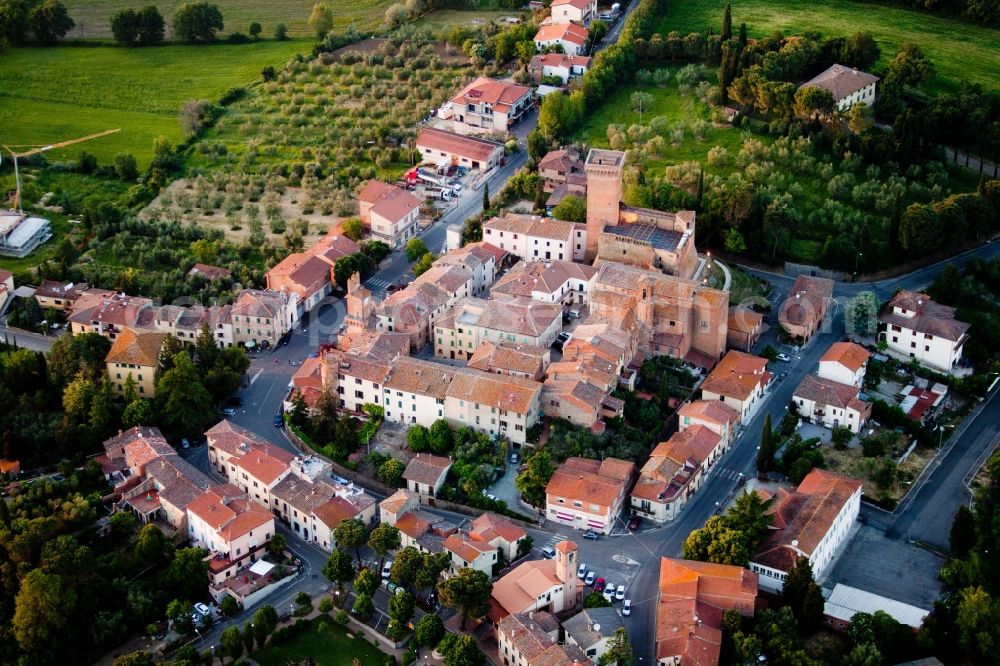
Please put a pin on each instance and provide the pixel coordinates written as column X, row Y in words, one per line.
column 566, row 564
column 360, row 305
column 604, row 193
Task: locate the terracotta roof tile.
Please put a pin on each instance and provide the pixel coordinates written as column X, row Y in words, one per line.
column 566, row 32
column 737, row 375
column 841, row 81
column 928, row 316
column 849, row 354
column 427, row 468
column 476, row 149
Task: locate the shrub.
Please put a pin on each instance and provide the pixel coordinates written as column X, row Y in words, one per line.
column 325, row 605
column 341, row 617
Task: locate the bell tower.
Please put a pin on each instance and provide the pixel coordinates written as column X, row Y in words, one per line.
column 604, row 194
column 566, row 564
column 359, row 304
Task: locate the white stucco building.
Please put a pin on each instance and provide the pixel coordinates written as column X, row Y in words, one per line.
column 811, row 521
column 914, row 326
column 847, row 85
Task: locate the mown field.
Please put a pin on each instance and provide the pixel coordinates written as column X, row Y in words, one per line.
column 51, row 94
column 93, row 17
column 959, row 50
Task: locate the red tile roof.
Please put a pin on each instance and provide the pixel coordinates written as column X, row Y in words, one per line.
column 477, row 150
column 849, row 354
column 566, row 32
column 737, row 375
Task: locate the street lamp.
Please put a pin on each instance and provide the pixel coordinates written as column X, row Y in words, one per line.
column 941, row 428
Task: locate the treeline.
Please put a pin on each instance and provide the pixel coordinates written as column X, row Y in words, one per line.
column 44, row 21
column 560, row 116
column 983, row 12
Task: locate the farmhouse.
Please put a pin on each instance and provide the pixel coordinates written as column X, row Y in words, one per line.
column 489, row 105
column 573, row 11
column 560, row 65
column 805, row 308
column 811, row 521
column 569, row 36
column 135, row 354
column 440, row 147
column 588, row 494
column 914, row 326
column 390, row 212
column 848, row 86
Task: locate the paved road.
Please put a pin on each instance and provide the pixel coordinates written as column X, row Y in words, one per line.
column 884, row 289
column 927, row 514
column 26, row 340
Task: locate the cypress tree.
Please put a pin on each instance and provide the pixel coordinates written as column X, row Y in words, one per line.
column 743, row 34
column 486, row 196
column 765, row 454
column 727, row 23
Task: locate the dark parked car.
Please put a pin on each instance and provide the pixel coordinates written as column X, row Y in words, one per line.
column 279, row 421
column 633, row 523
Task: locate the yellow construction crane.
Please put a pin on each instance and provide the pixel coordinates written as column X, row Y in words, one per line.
column 41, row 149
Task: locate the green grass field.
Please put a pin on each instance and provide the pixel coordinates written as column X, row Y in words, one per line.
column 447, row 18
column 958, row 49
column 53, row 94
column 326, row 643
column 668, row 102
column 93, row 17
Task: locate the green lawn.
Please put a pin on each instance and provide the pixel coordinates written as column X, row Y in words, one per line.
column 958, row 49
column 327, row 643
column 53, row 94
column 93, row 17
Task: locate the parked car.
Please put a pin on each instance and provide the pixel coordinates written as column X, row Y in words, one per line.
column 633, row 523
column 592, row 535
column 599, row 585
column 279, row 421
column 784, row 358
column 609, row 592
column 627, row 607
column 549, row 552
column 581, row 571
column 514, row 458
column 574, row 314
column 589, row 580
column 620, row 593
column 185, row 443
column 387, row 569
column 228, row 411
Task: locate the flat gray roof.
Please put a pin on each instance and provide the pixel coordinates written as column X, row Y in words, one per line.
column 661, row 239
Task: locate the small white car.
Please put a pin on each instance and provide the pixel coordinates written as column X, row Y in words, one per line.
column 627, row 607
column 202, row 609
column 549, row 552
column 620, row 593
column 784, row 358
column 609, row 592
column 387, row 569
column 591, row 577
column 581, row 573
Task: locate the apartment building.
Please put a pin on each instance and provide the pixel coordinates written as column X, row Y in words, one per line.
column 489, row 105
column 470, row 322
column 261, row 317
column 468, row 553
column 535, row 238
column 674, row 473
column 106, row 313
column 573, row 11
column 135, row 354
column 831, row 404
column 715, row 415
column 810, row 521
column 439, row 147
column 313, row 507
column 589, row 494
column 916, row 327
column 739, row 381
column 512, row 359
column 231, row 527
column 481, row 260
column 547, row 281
column 499, row 532
column 60, row 296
